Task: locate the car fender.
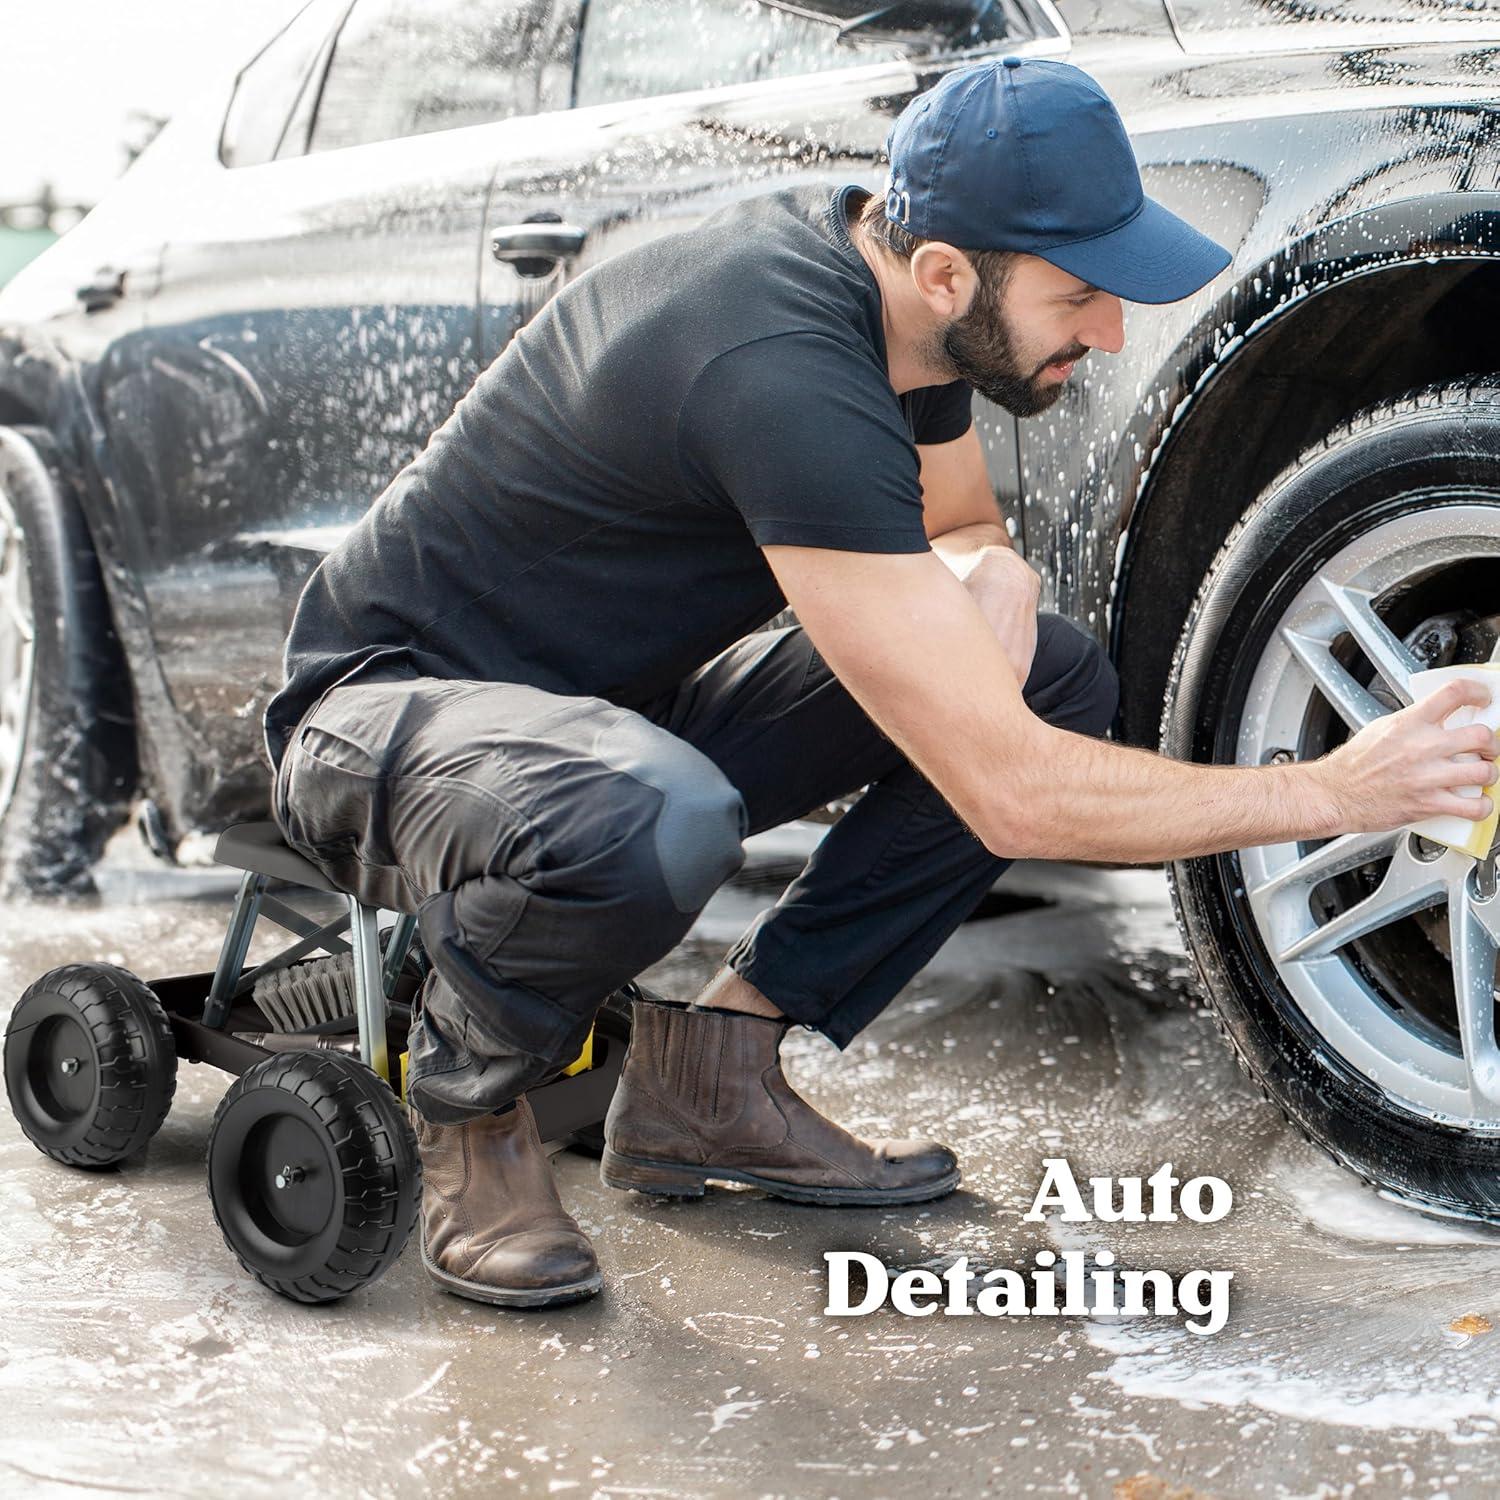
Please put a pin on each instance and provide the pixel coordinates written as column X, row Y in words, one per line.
column 1184, row 464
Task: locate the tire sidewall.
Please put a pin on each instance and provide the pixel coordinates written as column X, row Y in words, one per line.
column 77, row 763
column 1388, row 463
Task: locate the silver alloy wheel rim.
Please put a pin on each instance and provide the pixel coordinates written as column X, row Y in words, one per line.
column 1398, row 1052
column 17, row 652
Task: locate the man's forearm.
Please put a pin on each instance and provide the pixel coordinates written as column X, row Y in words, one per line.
column 1078, row 797
column 960, row 548
column 1089, row 799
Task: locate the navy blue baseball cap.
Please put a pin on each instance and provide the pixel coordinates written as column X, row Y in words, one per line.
column 1030, row 154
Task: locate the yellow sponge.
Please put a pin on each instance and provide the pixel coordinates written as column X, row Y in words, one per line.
column 1483, row 835
column 1464, row 834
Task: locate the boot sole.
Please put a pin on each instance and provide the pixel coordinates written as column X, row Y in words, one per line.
column 677, row 1180
column 480, row 1291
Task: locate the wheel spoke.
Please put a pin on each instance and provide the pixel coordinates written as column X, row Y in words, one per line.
column 1354, row 704
column 11, row 605
column 1473, row 942
column 1333, row 858
column 21, row 622
column 1386, row 653
column 1408, row 885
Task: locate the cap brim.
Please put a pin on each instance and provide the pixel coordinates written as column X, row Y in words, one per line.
column 1156, row 257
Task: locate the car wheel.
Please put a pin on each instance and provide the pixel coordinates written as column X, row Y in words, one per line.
column 1354, row 977
column 67, row 746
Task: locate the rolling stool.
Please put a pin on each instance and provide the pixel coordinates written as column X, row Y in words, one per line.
column 260, row 851
column 313, row 1170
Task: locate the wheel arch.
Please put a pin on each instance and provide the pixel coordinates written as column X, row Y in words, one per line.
column 1348, row 331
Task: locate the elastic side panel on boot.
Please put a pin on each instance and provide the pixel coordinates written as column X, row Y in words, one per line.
column 689, row 1058
column 305, row 994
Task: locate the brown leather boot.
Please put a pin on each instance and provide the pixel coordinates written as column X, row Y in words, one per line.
column 493, row 1227
column 702, row 1096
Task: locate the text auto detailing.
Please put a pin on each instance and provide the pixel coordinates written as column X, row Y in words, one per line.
column 1086, row 1291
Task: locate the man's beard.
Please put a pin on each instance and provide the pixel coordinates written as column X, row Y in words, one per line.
column 980, row 347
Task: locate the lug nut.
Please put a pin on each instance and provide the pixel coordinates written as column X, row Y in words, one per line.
column 69, row 1065
column 288, row 1175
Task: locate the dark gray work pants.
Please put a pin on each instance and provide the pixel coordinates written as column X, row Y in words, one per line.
column 553, row 847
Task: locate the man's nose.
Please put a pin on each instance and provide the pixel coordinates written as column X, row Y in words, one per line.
column 1105, row 328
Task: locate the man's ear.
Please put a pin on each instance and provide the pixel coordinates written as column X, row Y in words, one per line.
column 944, row 277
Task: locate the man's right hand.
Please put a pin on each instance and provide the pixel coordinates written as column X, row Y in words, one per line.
column 1400, row 768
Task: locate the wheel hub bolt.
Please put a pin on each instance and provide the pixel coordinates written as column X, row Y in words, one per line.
column 288, row 1175
column 1280, row 758
column 69, row 1065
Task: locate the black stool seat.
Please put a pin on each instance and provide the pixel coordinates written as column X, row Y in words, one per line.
column 259, row 847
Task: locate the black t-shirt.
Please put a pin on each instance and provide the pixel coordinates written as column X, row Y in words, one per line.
column 589, row 518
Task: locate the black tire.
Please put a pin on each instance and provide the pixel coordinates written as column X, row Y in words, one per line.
column 114, row 1100
column 347, row 1220
column 1413, row 452
column 78, row 766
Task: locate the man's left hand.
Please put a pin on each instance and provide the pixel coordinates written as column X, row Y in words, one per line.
column 1007, row 589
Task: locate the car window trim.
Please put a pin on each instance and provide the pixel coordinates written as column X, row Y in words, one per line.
column 333, row 47
column 322, row 61
column 239, row 79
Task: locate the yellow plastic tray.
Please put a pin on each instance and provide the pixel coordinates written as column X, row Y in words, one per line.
column 585, row 1059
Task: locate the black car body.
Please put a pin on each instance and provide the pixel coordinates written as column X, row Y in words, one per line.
column 216, row 372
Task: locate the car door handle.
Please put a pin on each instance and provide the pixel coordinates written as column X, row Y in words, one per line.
column 533, row 249
column 107, row 287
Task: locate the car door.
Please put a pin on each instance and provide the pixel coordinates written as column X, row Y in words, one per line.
column 315, row 321
column 683, row 106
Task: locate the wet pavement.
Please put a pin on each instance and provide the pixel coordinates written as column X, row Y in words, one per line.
column 1359, row 1357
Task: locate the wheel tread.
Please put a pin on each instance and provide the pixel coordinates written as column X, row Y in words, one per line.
column 374, row 1230
column 127, row 1024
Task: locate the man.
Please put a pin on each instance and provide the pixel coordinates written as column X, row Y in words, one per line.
column 526, row 698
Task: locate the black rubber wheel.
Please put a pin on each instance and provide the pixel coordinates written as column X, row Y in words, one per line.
column 1436, row 448
column 90, row 1067
column 341, row 1216
column 78, row 761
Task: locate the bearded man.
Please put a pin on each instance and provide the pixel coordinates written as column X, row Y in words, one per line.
column 527, row 698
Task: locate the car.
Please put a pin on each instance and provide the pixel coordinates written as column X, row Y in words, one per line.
column 1278, row 503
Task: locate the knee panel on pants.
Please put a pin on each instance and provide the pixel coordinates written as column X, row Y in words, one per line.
column 701, row 821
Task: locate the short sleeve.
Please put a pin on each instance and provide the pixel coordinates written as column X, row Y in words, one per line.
column 940, row 413
column 804, row 438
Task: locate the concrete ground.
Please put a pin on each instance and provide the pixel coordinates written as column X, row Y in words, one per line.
column 136, row 1357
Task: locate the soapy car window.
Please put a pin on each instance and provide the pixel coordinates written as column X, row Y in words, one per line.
column 408, row 67
column 637, row 49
